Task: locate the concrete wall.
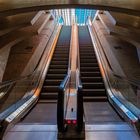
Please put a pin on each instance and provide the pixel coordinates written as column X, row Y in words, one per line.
column 25, row 54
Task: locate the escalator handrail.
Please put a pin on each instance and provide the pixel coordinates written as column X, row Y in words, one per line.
column 9, row 82
column 64, row 82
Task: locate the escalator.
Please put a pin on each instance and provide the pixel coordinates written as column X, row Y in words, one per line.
column 57, row 70
column 44, row 114
column 96, row 106
column 101, row 119
column 58, row 67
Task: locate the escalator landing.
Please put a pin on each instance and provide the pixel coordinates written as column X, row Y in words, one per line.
column 42, row 113
column 100, row 112
column 120, row 131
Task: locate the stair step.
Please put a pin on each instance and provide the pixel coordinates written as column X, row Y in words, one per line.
column 88, row 57
column 88, row 60
column 61, row 52
column 91, row 79
column 59, row 62
column 49, row 96
column 61, row 49
column 47, row 101
column 59, row 59
column 87, row 53
column 94, row 92
column 90, row 74
column 86, row 47
column 95, row 99
column 52, row 82
column 55, row 76
column 93, row 85
column 58, row 66
column 57, row 71
column 87, row 69
column 51, row 88
column 88, row 64
column 60, row 55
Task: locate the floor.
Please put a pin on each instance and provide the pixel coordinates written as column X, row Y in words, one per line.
column 112, row 131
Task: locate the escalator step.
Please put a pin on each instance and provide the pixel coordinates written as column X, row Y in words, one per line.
column 55, row 76
column 91, row 79
column 88, row 57
column 94, row 92
column 61, row 53
column 90, row 74
column 51, row 88
column 87, row 53
column 87, row 69
column 89, row 64
column 93, row 85
column 95, row 99
column 49, row 96
column 88, row 60
column 58, row 66
column 57, row 71
column 59, row 63
column 42, row 101
column 52, row 82
column 59, row 59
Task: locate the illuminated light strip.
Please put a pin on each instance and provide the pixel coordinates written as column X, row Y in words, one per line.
column 129, row 114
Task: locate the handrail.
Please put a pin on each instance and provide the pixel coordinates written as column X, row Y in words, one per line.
column 61, row 96
column 9, row 82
